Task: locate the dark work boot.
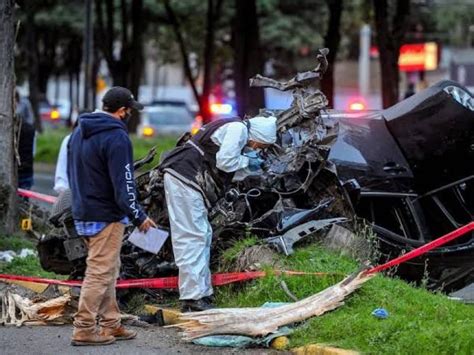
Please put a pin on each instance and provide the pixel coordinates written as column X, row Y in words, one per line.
column 202, row 304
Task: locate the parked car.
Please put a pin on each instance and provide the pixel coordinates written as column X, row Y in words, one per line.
column 167, row 118
column 49, row 114
column 61, row 108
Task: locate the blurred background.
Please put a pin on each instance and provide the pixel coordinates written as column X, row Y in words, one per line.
column 190, row 61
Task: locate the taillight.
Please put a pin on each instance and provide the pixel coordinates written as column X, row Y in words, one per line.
column 55, row 115
column 148, row 132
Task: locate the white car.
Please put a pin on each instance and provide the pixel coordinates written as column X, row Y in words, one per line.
column 167, row 118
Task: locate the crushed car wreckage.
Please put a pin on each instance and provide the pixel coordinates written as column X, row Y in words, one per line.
column 407, row 170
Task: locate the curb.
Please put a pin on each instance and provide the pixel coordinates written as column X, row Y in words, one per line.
column 321, row 349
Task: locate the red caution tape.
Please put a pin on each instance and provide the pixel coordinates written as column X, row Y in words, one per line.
column 163, row 282
column 36, row 196
column 424, row 248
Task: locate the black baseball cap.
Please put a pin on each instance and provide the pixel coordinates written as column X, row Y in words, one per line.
column 118, row 97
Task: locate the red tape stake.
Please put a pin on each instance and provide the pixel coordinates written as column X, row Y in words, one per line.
column 424, row 248
column 36, row 196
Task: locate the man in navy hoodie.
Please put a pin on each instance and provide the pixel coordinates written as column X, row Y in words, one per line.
column 104, row 200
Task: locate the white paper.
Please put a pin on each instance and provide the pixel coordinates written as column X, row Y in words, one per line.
column 151, row 241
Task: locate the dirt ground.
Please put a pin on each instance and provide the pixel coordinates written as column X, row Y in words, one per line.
column 56, row 340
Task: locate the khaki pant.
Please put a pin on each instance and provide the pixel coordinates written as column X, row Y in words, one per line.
column 97, row 300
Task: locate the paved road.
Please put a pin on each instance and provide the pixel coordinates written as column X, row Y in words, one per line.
column 56, row 340
column 44, row 182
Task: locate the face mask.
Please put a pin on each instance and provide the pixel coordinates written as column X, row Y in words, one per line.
column 126, row 118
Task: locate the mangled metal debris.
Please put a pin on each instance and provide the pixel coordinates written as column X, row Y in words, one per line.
column 407, row 170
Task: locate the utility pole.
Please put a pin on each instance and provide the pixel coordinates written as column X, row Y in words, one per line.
column 364, row 60
column 88, row 54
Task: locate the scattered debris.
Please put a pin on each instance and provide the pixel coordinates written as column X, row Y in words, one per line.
column 465, row 294
column 380, row 313
column 263, row 321
column 255, row 258
column 7, row 256
column 285, row 288
column 20, row 310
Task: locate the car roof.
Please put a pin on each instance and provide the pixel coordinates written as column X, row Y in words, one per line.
column 168, row 103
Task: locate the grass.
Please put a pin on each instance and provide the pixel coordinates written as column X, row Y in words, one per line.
column 49, row 143
column 28, row 266
column 231, row 253
column 420, row 322
column 16, row 243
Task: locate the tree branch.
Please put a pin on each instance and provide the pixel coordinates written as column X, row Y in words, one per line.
column 182, row 47
column 123, row 13
column 104, row 43
column 400, row 22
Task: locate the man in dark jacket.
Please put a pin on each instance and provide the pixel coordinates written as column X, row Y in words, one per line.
column 104, row 200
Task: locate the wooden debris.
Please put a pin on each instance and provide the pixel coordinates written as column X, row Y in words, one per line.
column 262, row 321
column 18, row 310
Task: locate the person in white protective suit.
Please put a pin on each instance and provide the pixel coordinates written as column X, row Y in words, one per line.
column 196, row 175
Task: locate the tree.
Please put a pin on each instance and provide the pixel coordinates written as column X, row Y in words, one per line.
column 290, row 33
column 248, row 59
column 125, row 65
column 389, row 35
column 213, row 12
column 8, row 181
column 332, row 40
column 49, row 44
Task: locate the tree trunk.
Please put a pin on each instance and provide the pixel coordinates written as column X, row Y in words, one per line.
column 127, row 70
column 33, row 66
column 331, row 41
column 184, row 53
column 8, row 181
column 389, row 39
column 136, row 52
column 247, row 57
column 208, row 63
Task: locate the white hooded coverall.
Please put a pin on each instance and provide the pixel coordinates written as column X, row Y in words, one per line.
column 191, row 231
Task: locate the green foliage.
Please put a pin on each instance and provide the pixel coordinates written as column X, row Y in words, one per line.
column 141, row 146
column 291, row 25
column 453, row 21
column 16, row 243
column 135, row 304
column 420, row 322
column 28, row 266
column 49, row 143
column 231, row 253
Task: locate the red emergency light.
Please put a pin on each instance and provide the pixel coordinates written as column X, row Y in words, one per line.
column 221, row 109
column 418, row 56
column 357, row 104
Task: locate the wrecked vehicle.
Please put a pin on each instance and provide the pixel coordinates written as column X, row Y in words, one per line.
column 413, row 163
column 406, row 170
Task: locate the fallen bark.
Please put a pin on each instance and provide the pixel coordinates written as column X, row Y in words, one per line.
column 262, row 321
column 18, row 310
